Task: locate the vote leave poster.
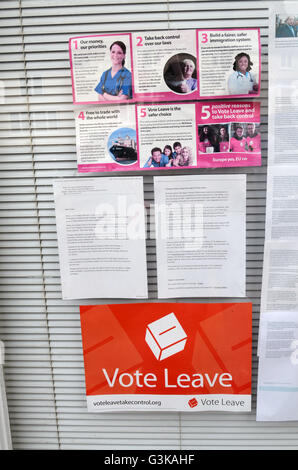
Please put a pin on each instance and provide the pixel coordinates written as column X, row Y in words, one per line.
column 170, row 65
column 168, row 136
column 167, row 356
column 229, row 134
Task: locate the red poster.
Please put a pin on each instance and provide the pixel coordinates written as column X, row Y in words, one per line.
column 167, row 356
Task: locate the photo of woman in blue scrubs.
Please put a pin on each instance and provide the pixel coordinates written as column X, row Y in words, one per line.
column 116, row 83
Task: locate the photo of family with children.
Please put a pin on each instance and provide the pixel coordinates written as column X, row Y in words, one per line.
column 170, row 156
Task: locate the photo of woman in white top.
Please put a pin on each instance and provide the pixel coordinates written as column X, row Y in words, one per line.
column 242, row 81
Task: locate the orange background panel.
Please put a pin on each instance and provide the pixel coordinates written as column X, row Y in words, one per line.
column 227, row 337
column 219, row 340
column 103, row 340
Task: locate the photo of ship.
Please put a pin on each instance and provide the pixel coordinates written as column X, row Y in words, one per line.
column 123, row 146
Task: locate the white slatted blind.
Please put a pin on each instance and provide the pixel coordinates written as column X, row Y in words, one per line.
column 44, row 365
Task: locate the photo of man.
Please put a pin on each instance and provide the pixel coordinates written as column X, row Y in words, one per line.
column 238, row 141
column 286, row 28
column 253, row 138
column 177, row 149
column 157, row 159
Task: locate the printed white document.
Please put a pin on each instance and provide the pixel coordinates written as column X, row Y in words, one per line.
column 280, row 277
column 101, row 237
column 200, row 235
column 280, row 268
column 277, row 398
column 278, row 367
column 282, row 203
column 278, row 335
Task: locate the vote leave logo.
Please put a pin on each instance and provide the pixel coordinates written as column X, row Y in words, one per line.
column 165, row 337
column 193, row 402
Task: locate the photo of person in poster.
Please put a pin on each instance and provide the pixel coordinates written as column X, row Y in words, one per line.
column 214, row 138
column 168, row 152
column 116, row 82
column 181, row 157
column 253, row 138
column 286, row 28
column 157, row 159
column 242, row 81
column 180, row 73
column 190, row 83
column 185, row 158
column 223, row 139
column 238, row 140
column 177, row 149
column 208, row 139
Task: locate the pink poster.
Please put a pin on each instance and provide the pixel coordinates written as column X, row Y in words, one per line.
column 181, row 135
column 101, row 68
column 161, row 66
column 229, row 63
column 137, row 98
column 166, row 66
column 106, row 138
column 228, row 134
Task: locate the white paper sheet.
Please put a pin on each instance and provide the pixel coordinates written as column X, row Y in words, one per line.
column 101, row 237
column 279, row 335
column 278, row 367
column 200, row 235
column 277, row 398
column 280, row 277
column 280, row 269
column 282, row 203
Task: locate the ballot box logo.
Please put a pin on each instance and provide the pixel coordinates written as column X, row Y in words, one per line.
column 193, row 402
column 165, row 337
